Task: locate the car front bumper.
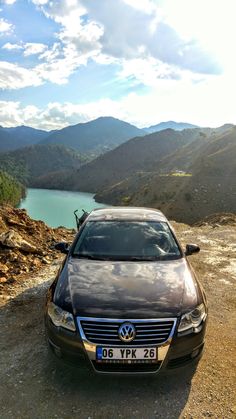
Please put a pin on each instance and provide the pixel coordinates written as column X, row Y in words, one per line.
column 178, row 352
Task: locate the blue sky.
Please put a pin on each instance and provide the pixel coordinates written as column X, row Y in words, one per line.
column 143, row 61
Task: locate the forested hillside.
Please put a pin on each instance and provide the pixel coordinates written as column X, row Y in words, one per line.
column 11, row 191
column 29, row 163
column 135, row 156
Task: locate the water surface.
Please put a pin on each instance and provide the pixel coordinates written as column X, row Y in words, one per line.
column 56, row 207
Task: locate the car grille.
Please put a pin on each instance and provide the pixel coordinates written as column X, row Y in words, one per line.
column 148, row 332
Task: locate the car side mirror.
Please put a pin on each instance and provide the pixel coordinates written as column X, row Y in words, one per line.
column 62, row 247
column 191, row 248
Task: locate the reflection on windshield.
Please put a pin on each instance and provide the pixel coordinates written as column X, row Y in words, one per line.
column 127, row 240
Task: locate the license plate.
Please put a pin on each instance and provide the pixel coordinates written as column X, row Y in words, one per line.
column 126, row 354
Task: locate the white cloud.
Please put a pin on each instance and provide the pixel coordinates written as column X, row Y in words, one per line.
column 56, row 115
column 40, row 2
column 74, row 34
column 76, row 44
column 127, row 30
column 206, row 103
column 52, row 53
column 9, row 1
column 211, row 22
column 146, row 47
column 148, row 71
column 12, row 47
column 150, row 41
column 10, row 114
column 57, row 66
column 31, row 48
column 5, row 27
column 13, row 76
column 60, row 64
column 138, row 29
column 63, row 11
column 147, row 6
column 85, row 38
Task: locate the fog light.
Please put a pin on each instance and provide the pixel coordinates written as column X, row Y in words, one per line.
column 195, row 353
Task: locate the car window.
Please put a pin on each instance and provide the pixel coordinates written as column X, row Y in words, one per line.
column 127, row 240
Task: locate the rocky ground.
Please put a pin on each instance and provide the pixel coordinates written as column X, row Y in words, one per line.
column 25, row 245
column 35, row 385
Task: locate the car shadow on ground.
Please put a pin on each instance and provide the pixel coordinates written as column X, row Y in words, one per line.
column 163, row 396
column 50, row 388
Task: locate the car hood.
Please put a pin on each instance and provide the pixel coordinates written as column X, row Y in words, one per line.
column 127, row 289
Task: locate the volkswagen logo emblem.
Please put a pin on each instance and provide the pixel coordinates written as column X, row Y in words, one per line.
column 127, row 332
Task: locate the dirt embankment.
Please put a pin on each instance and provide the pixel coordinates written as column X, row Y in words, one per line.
column 25, row 244
column 35, row 386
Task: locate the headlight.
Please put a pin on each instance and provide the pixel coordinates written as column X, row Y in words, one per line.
column 191, row 321
column 61, row 317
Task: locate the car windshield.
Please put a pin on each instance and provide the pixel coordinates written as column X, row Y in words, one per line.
column 127, row 240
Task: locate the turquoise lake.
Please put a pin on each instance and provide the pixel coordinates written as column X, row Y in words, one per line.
column 56, row 208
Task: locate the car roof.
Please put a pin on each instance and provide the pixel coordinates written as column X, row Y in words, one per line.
column 126, row 213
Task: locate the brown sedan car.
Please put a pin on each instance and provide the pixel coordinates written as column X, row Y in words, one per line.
column 126, row 298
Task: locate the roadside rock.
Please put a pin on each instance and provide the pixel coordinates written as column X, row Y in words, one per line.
column 218, row 219
column 14, row 240
column 3, row 268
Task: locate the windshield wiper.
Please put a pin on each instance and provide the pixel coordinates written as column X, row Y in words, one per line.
column 125, row 258
column 88, row 256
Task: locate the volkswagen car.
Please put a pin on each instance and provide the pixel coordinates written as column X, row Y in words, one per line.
column 126, row 299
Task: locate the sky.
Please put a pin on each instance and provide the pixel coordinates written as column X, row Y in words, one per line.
column 63, row 62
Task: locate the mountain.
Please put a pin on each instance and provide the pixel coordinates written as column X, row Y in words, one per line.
column 18, row 137
column 177, row 126
column 208, row 186
column 7, row 141
column 93, row 137
column 97, row 136
column 11, row 191
column 188, row 174
column 136, row 156
column 29, row 163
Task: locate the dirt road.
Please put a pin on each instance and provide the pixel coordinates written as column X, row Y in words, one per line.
column 35, row 385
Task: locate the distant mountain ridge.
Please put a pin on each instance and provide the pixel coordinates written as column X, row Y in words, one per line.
column 94, row 137
column 177, row 126
column 28, row 135
column 97, row 136
column 19, row 137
